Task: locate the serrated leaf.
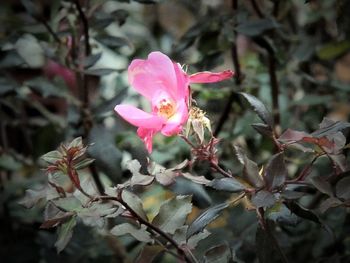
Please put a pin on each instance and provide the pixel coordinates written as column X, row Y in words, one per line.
column 342, row 188
column 322, row 185
column 276, row 171
column 77, row 142
column 263, row 129
column 52, row 157
column 32, row 197
column 330, row 128
column 259, row 108
column 180, row 237
column 204, row 219
column 70, row 203
column 173, row 213
column 196, row 178
column 163, row 176
column 227, row 184
column 134, row 202
column 65, row 233
column 263, row 199
column 139, row 233
column 84, row 163
column 140, row 179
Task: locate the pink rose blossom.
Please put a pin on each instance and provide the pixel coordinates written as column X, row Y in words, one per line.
column 166, row 86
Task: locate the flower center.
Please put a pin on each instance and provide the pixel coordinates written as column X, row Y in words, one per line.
column 166, row 108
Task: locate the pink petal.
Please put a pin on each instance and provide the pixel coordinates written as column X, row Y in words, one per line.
column 147, row 136
column 154, row 74
column 183, row 82
column 139, row 118
column 174, row 124
column 209, row 77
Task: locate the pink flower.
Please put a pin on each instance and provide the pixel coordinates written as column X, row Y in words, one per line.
column 166, row 86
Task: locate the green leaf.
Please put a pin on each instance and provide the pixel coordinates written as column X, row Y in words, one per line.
column 259, row 108
column 91, row 60
column 217, row 254
column 163, row 176
column 263, row 129
column 192, row 242
column 100, row 71
column 204, row 219
column 333, row 50
column 139, row 233
column 173, row 213
column 29, row 49
column 329, row 203
column 137, row 178
column 322, row 185
column 276, row 171
column 256, row 27
column 227, row 184
column 263, row 199
column 196, row 178
column 52, row 157
column 32, row 197
column 69, row 203
column 114, row 42
column 281, row 214
column 9, row 163
column 342, row 188
column 134, row 202
column 65, row 233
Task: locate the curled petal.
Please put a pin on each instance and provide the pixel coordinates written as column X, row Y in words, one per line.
column 146, row 136
column 139, row 118
column 209, row 77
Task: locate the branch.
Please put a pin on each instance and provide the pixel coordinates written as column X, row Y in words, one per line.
column 154, row 228
column 85, row 27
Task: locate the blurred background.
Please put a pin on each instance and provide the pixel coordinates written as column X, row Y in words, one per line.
column 63, row 68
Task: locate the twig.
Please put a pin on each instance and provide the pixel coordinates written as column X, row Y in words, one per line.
column 148, row 224
column 50, row 30
column 220, row 170
column 85, row 27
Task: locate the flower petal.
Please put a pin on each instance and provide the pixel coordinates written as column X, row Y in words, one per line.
column 174, row 124
column 147, row 136
column 154, row 74
column 139, row 118
column 209, row 77
column 183, row 82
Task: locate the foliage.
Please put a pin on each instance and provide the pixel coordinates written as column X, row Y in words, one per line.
column 260, row 173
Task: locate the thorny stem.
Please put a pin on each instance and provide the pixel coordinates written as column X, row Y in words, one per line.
column 154, row 228
column 305, row 171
